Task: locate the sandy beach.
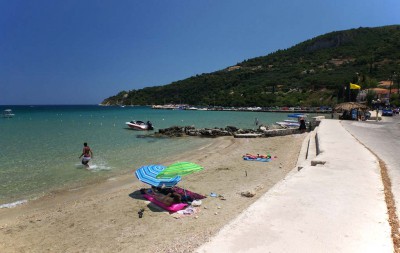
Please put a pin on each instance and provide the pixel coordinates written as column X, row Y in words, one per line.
column 103, row 217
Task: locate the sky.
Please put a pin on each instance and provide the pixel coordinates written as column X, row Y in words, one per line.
column 83, row 51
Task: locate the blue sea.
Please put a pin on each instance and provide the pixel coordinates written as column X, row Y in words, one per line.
column 40, row 146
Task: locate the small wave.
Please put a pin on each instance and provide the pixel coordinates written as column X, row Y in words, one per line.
column 98, row 164
column 13, row 204
column 94, row 167
column 99, row 167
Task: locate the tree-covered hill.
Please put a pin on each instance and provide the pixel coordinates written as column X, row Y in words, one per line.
column 311, row 73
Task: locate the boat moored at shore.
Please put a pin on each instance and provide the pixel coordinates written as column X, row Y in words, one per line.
column 140, row 125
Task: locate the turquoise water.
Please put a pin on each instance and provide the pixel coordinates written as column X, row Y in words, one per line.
column 40, row 146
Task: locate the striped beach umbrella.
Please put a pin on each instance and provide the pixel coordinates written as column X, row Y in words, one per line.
column 179, row 169
column 147, row 174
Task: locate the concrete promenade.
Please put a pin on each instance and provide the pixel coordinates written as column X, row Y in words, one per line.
column 333, row 201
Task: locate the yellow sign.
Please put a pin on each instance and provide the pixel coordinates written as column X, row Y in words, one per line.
column 354, row 86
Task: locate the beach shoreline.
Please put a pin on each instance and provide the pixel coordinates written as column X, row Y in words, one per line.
column 104, row 216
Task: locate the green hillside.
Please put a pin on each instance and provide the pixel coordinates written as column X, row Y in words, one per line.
column 311, row 73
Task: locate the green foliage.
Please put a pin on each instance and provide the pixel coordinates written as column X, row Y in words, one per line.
column 311, row 73
column 370, row 96
column 395, row 99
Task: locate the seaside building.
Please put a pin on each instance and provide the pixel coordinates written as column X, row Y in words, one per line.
column 383, row 94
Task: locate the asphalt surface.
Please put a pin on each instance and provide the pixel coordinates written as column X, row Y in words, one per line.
column 383, row 139
column 337, row 205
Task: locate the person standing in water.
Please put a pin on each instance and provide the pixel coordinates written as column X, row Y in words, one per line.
column 256, row 122
column 87, row 155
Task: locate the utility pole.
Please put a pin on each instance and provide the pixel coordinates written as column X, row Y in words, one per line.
column 358, row 83
column 390, row 88
column 358, row 78
column 349, row 92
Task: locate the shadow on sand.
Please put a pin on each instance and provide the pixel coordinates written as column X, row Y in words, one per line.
column 152, row 207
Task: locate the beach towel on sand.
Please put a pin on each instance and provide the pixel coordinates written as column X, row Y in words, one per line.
column 172, row 208
column 256, row 159
column 184, row 192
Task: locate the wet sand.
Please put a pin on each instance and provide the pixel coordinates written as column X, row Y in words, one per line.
column 103, row 217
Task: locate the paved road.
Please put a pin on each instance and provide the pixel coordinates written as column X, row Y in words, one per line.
column 383, row 138
column 336, row 206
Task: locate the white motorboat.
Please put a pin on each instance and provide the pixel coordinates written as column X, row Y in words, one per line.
column 7, row 113
column 288, row 124
column 291, row 121
column 297, row 115
column 140, row 125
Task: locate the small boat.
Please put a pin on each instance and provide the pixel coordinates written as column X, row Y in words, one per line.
column 7, row 113
column 140, row 125
column 288, row 124
column 297, row 115
column 291, row 121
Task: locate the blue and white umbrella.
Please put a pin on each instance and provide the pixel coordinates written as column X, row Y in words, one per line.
column 147, row 174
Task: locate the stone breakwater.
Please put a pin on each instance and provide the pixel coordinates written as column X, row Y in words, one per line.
column 262, row 131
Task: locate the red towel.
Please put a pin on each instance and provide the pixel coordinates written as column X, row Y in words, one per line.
column 184, row 192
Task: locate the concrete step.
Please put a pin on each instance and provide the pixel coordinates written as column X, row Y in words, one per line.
column 312, row 145
column 309, row 150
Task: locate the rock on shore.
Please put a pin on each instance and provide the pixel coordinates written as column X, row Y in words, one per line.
column 262, row 131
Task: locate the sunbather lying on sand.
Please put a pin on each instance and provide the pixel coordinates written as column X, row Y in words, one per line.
column 256, row 156
column 169, row 199
column 164, row 195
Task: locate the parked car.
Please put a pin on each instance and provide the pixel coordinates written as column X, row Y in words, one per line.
column 387, row 112
column 396, row 111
